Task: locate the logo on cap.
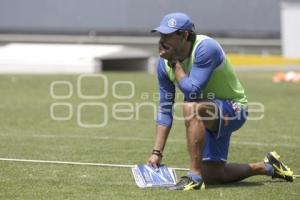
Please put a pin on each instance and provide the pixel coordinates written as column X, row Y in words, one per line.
column 172, row 23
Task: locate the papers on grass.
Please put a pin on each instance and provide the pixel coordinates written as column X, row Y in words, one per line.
column 146, row 176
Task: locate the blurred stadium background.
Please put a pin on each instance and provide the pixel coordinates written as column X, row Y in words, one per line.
column 263, row 28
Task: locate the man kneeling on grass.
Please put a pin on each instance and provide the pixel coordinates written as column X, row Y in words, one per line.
column 215, row 105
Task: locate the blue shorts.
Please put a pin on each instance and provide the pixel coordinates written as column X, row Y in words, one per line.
column 217, row 143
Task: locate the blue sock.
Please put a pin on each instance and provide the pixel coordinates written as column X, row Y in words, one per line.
column 194, row 176
column 270, row 169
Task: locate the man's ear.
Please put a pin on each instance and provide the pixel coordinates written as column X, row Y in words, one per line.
column 186, row 35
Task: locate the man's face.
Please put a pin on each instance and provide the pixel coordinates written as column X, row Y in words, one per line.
column 169, row 45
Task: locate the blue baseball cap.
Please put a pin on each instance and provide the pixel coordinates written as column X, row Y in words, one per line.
column 173, row 22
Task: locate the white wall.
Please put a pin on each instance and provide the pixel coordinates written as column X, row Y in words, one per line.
column 290, row 28
column 236, row 17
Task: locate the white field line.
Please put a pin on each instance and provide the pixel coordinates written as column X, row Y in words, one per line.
column 235, row 142
column 78, row 163
column 86, row 164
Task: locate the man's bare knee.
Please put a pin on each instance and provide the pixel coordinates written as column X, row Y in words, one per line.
column 208, row 113
column 207, row 110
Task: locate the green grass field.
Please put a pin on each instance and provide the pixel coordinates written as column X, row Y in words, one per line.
column 27, row 131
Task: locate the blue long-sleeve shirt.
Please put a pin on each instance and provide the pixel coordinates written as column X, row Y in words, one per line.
column 208, row 57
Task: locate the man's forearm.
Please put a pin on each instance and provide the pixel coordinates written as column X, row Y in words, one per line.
column 161, row 137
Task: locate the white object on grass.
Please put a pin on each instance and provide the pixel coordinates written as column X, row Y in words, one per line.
column 147, row 176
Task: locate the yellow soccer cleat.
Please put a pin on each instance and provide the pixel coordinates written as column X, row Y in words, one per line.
column 186, row 183
column 280, row 169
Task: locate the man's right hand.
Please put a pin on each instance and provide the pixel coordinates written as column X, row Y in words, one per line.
column 154, row 161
